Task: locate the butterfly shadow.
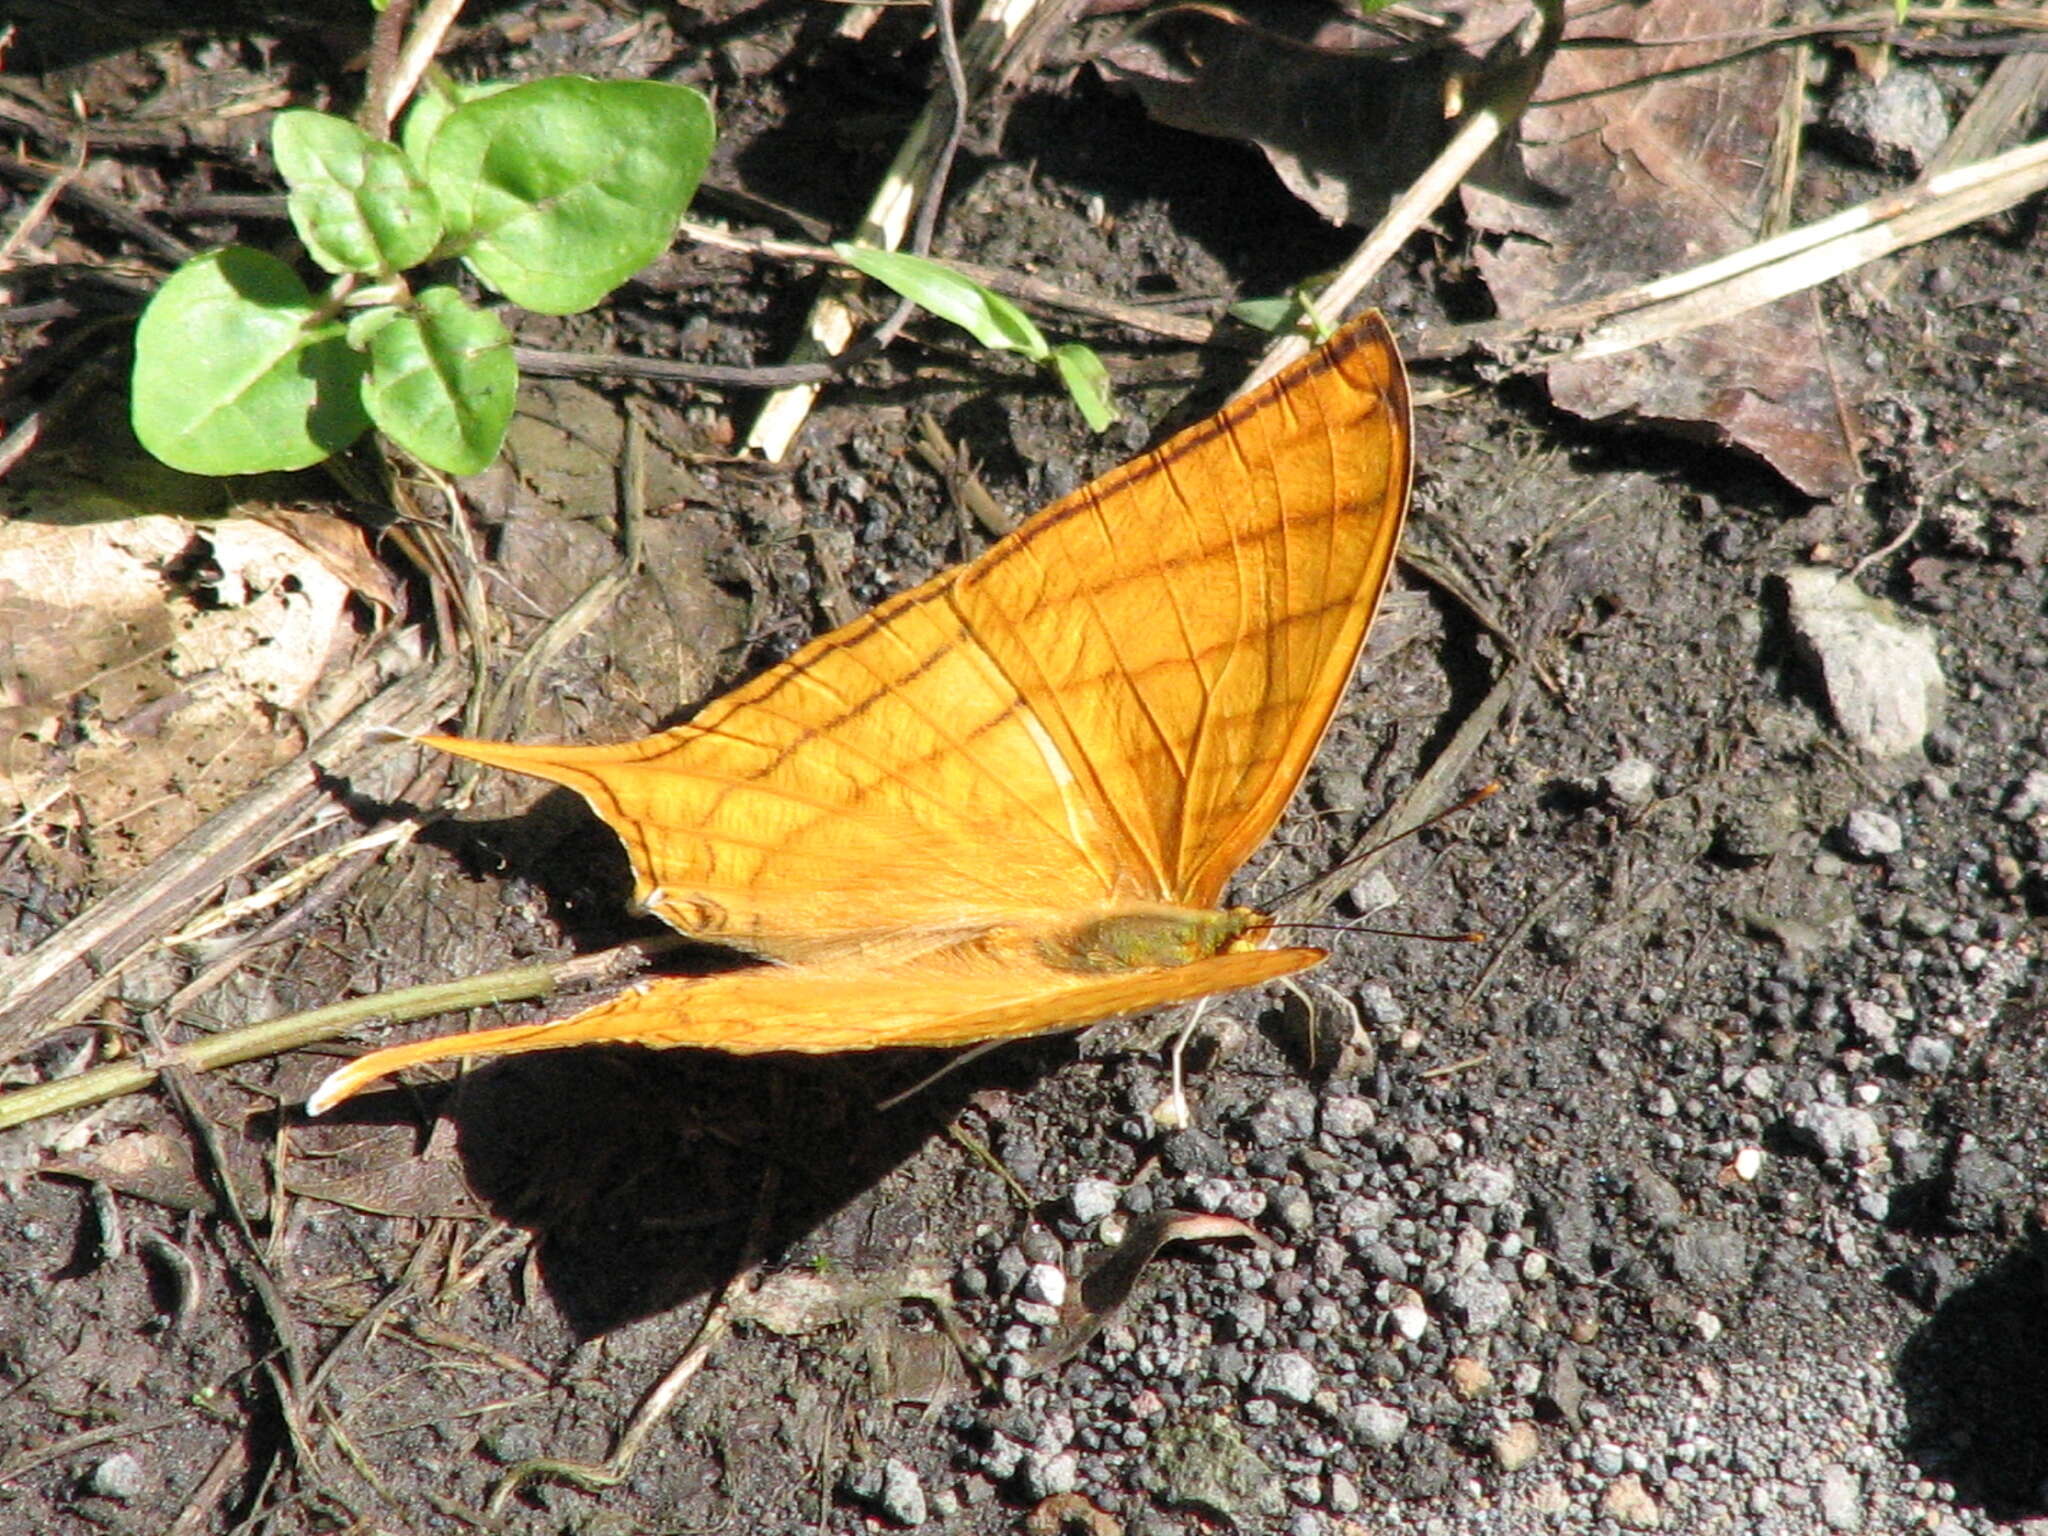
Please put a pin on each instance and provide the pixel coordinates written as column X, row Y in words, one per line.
column 641, row 1174
column 644, row 1176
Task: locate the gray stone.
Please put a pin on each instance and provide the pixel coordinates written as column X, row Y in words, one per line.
column 1345, row 1116
column 1930, row 1055
column 1880, row 672
column 1377, row 1002
column 1287, row 1376
column 1838, row 1133
column 1377, row 1425
column 1293, row 1209
column 1874, row 1022
column 1479, row 1301
column 1841, row 1498
column 1871, row 835
column 901, row 1496
column 2026, row 799
column 1092, row 1199
column 1205, row 1464
column 1044, row 1283
column 120, row 1476
column 1042, row 1475
column 1709, row 1256
column 1631, row 783
column 1896, row 123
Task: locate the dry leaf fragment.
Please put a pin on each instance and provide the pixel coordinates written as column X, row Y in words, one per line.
column 1104, row 1290
column 1658, row 177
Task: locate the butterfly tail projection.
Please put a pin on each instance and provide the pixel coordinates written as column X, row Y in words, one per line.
column 934, row 1001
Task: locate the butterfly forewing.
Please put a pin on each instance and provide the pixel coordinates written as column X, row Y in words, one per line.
column 1184, row 627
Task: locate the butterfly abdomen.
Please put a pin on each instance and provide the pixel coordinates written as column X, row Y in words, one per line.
column 1146, row 938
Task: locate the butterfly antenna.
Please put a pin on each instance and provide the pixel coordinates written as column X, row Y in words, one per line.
column 1366, row 855
column 1467, row 936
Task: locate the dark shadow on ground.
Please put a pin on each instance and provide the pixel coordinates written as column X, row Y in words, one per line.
column 1975, row 1382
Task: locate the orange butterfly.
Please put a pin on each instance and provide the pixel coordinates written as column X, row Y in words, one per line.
column 1008, row 801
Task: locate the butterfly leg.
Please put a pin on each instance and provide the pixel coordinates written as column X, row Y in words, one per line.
column 1172, row 1112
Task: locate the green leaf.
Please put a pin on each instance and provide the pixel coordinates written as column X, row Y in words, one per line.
column 237, row 371
column 442, row 381
column 989, row 317
column 1273, row 315
column 438, row 97
column 563, row 188
column 1088, row 382
column 355, row 200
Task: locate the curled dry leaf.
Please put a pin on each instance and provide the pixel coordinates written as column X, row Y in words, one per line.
column 1657, row 177
column 338, row 544
column 1103, row 1291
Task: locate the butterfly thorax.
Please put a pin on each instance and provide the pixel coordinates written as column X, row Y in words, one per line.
column 1144, row 938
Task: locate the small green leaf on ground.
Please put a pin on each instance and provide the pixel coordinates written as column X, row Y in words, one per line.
column 442, row 380
column 987, row 316
column 356, row 201
column 563, row 188
column 1088, row 382
column 1271, row 315
column 236, row 371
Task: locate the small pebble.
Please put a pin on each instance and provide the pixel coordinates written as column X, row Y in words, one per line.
column 1631, row 783
column 1628, row 1504
column 1292, row 1208
column 2026, row 799
column 120, row 1476
column 1377, row 1001
column 1343, row 1497
column 1479, row 1301
column 901, row 1498
column 1287, row 1376
column 1045, row 1284
column 1378, row 1425
column 1838, row 1133
column 1042, row 1476
column 1516, row 1445
column 1092, row 1199
column 1930, row 1055
column 1470, row 1379
column 1872, row 835
column 1345, row 1116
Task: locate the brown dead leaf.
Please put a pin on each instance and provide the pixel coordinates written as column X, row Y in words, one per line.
column 336, row 543
column 796, row 1302
column 1346, row 114
column 381, row 1170
column 1659, row 177
column 152, row 669
column 1104, row 1289
column 147, row 1165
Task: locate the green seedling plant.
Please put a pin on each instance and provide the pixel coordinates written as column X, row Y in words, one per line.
column 1285, row 312
column 990, row 319
column 551, row 193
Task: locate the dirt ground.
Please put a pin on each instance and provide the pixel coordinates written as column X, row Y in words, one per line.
column 1706, row 1194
